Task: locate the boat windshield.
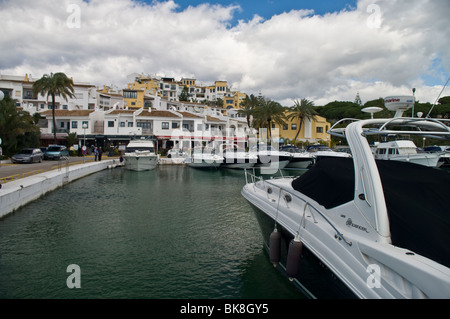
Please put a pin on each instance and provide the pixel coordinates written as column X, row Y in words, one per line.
column 132, row 149
column 261, row 147
column 317, row 148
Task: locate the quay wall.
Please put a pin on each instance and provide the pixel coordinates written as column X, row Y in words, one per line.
column 15, row 194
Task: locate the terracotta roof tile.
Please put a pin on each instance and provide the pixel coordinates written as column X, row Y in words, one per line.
column 67, row 113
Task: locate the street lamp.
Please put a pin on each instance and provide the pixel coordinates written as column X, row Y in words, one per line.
column 84, row 141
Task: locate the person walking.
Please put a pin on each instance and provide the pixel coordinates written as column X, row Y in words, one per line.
column 95, row 153
column 100, row 152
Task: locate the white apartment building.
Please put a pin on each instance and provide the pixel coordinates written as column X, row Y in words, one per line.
column 20, row 88
column 99, row 117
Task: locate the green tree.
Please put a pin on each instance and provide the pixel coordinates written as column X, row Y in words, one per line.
column 266, row 113
column 17, row 128
column 302, row 110
column 249, row 105
column 53, row 85
column 184, row 96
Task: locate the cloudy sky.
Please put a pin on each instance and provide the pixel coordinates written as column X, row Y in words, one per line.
column 285, row 50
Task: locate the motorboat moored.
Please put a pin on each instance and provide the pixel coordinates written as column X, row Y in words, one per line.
column 204, row 158
column 300, row 158
column 237, row 158
column 360, row 227
column 270, row 159
column 322, row 151
column 140, row 155
column 406, row 151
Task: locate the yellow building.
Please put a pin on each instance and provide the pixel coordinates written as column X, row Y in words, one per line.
column 311, row 131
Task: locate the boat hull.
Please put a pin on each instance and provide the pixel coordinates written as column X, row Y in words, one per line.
column 140, row 163
column 203, row 164
column 271, row 161
column 314, row 280
column 238, row 162
column 426, row 160
column 300, row 162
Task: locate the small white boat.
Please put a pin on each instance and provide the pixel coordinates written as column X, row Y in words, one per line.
column 236, row 157
column 323, row 151
column 204, row 158
column 140, row 155
column 300, row 159
column 269, row 158
column 405, row 151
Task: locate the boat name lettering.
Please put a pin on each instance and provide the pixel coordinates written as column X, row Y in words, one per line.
column 392, row 100
column 350, row 223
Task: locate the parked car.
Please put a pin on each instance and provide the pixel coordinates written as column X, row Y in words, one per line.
column 55, row 152
column 28, row 155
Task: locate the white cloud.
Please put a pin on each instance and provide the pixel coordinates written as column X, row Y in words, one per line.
column 380, row 48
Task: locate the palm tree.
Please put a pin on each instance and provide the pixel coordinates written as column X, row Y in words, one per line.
column 303, row 109
column 266, row 112
column 249, row 105
column 54, row 84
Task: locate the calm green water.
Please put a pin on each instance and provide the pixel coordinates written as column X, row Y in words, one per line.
column 175, row 232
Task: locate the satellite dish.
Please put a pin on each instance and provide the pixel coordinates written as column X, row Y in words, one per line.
column 372, row 110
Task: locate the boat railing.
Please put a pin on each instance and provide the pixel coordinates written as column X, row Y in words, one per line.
column 265, row 185
column 441, row 128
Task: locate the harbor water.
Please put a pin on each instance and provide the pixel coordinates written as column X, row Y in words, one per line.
column 171, row 233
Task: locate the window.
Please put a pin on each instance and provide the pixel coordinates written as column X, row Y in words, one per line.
column 62, row 125
column 110, row 123
column 144, row 125
column 285, row 127
column 64, row 107
column 122, row 124
column 174, row 125
column 130, row 124
column 130, row 94
column 165, row 125
column 85, row 124
column 294, row 127
column 74, row 124
column 319, row 129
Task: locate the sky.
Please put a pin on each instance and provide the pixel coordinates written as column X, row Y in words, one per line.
column 285, row 50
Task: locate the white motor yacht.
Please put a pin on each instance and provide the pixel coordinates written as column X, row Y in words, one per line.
column 360, row 227
column 236, row 157
column 140, row 155
column 204, row 158
column 406, row 151
column 269, row 159
column 322, row 151
column 300, row 158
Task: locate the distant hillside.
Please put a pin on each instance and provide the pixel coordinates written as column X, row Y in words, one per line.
column 337, row 110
